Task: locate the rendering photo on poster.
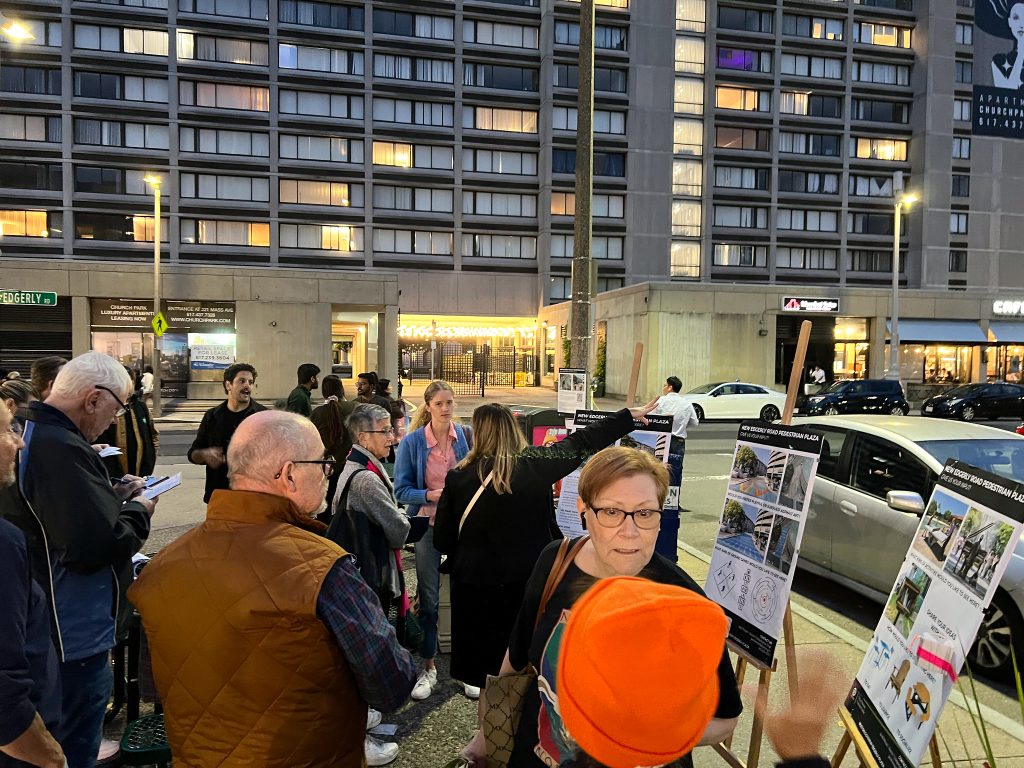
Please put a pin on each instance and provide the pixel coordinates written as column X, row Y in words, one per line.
column 998, row 104
column 653, row 437
column 958, row 554
column 759, row 532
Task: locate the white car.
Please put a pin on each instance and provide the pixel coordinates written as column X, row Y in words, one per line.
column 736, row 400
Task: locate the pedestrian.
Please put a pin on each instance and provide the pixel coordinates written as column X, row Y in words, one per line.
column 396, row 406
column 684, row 417
column 366, row 390
column 16, row 394
column 30, row 677
column 621, row 494
column 329, row 420
column 147, row 385
column 267, row 645
column 220, row 422
column 87, row 532
column 433, row 447
column 817, row 376
column 299, row 399
column 44, row 371
column 493, row 548
column 135, row 433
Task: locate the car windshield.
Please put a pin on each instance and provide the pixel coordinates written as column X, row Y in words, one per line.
column 1002, row 456
column 836, row 386
column 964, row 389
column 704, row 389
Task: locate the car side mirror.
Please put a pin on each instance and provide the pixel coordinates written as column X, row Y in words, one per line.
column 905, row 501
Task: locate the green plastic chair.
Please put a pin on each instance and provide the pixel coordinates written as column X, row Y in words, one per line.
column 145, row 743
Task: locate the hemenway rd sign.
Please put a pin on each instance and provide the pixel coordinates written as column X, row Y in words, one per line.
column 32, row 298
column 815, row 304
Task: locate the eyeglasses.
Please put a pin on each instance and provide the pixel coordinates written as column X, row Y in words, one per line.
column 388, row 431
column 327, row 465
column 123, row 406
column 609, row 517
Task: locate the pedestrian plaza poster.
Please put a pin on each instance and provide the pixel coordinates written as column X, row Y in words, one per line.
column 654, row 437
column 759, row 532
column 572, row 390
column 956, row 559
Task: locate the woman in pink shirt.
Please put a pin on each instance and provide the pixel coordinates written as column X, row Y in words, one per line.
column 434, row 446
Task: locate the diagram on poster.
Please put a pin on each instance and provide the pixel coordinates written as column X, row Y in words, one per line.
column 653, row 437
column 962, row 546
column 759, row 532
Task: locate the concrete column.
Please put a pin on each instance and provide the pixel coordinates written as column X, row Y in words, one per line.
column 387, row 345
column 876, row 347
column 81, row 326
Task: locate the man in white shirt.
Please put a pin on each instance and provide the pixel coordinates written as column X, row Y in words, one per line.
column 817, row 378
column 683, row 416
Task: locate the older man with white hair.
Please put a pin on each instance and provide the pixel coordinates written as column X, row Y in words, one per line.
column 267, row 644
column 82, row 532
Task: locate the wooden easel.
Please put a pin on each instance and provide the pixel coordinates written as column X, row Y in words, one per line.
column 789, row 644
column 852, row 735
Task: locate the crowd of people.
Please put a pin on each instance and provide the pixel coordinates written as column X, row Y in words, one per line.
column 280, row 629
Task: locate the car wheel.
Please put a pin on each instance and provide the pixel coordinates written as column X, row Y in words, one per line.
column 699, row 412
column 967, row 413
column 831, row 411
column 899, row 410
column 1001, row 627
column 770, row 413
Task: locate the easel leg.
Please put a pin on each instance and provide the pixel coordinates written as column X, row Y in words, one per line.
column 933, row 748
column 757, row 727
column 741, row 671
column 789, row 643
column 844, row 745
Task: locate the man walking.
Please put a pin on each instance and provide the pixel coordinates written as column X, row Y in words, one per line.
column 29, row 676
column 219, row 424
column 267, row 645
column 86, row 530
column 683, row 416
column 300, row 400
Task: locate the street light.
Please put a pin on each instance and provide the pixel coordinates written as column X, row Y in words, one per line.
column 15, row 31
column 894, row 329
column 155, row 181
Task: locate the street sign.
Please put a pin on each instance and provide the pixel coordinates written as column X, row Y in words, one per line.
column 159, row 324
column 33, row 298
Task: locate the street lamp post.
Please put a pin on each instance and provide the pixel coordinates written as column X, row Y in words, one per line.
column 155, row 182
column 894, row 314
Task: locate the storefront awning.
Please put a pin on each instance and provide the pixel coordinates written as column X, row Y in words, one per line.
column 1007, row 333
column 955, row 331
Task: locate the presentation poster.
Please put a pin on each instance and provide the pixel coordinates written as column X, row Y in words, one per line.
column 759, row 532
column 572, row 390
column 652, row 437
column 962, row 546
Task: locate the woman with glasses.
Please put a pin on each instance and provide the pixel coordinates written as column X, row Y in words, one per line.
column 621, row 494
column 434, row 445
column 505, row 531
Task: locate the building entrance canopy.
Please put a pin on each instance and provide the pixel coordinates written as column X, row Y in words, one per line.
column 957, row 331
column 1007, row 333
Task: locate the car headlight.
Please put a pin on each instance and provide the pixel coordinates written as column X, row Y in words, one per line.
column 815, row 400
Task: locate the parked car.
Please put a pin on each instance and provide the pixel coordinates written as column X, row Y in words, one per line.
column 977, row 401
column 875, row 474
column 858, row 396
column 736, row 400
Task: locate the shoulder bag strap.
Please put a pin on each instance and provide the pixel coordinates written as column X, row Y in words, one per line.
column 476, row 496
column 563, row 559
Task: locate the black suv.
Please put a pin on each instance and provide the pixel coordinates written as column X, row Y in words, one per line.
column 858, row 396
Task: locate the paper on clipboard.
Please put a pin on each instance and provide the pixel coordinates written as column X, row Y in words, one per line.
column 164, row 485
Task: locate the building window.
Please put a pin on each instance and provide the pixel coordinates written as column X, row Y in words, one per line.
column 321, row 237
column 40, row 176
column 806, row 258
column 816, row 27
column 881, row 74
column 870, row 186
column 410, row 241
column 505, row 35
column 873, row 224
column 684, row 258
column 501, row 162
column 208, row 186
column 413, row 25
column 875, row 111
column 687, row 177
column 44, row 33
column 499, row 204
column 964, row 71
column 686, row 218
column 332, row 193
column 961, row 185
column 687, row 137
column 747, row 99
column 961, row 148
column 601, row 206
column 741, row 59
column 689, row 96
column 739, row 177
column 689, row 55
column 212, row 232
column 251, row 98
column 888, row 35
column 744, row 19
column 806, row 221
column 243, row 9
column 327, row 149
column 413, row 112
column 958, row 223
column 690, row 15
column 803, row 103
column 410, row 68
column 957, row 261
column 224, row 142
column 824, row 144
column 150, row 42
column 29, row 223
column 601, row 247
column 605, row 121
column 310, row 59
column 605, row 37
column 392, row 198
column 812, row 66
column 605, row 163
column 964, row 33
column 503, row 78
column 808, row 182
column 309, row 13
column 878, row 149
column 392, row 153
column 740, row 255
column 31, row 80
column 503, row 120
column 742, row 216
column 962, row 110
column 117, row 228
column 317, row 104
column 605, row 79
column 754, row 139
column 862, row 260
column 560, row 289
column 222, row 49
column 29, row 128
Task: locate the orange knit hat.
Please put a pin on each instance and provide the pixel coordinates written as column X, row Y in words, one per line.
column 637, row 674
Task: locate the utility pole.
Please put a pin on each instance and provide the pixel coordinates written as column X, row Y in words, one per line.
column 580, row 322
column 154, row 182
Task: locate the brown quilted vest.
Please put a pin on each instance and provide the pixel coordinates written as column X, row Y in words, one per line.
column 247, row 673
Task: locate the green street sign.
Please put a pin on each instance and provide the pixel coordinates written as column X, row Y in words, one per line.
column 30, row 298
column 159, row 323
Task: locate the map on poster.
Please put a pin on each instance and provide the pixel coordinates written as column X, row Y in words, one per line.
column 653, row 437
column 956, row 559
column 759, row 532
column 572, row 390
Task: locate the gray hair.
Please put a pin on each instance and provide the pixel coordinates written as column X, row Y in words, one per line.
column 364, row 419
column 265, row 442
column 91, row 370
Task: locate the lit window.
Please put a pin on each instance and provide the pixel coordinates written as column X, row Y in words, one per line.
column 747, row 99
column 392, row 153
column 23, row 224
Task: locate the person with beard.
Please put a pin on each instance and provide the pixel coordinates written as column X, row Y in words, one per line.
column 267, row 645
column 219, row 424
column 300, row 398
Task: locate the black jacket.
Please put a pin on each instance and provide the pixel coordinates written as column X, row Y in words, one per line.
column 136, row 435
column 504, row 534
column 215, row 431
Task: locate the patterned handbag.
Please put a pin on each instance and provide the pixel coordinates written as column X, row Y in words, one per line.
column 504, row 694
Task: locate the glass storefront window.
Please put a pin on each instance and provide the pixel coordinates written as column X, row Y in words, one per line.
column 851, row 361
column 131, row 348
column 934, row 363
column 1004, row 363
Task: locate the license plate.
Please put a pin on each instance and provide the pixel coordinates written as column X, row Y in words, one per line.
column 928, row 409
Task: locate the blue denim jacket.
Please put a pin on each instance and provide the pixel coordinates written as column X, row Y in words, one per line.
column 411, row 467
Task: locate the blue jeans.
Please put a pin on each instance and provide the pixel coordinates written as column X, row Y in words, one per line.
column 86, row 687
column 428, row 587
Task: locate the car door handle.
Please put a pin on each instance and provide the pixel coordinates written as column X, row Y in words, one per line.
column 848, row 507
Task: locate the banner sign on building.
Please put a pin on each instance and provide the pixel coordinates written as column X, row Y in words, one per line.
column 998, row 104
column 965, row 541
column 653, row 437
column 211, row 357
column 815, row 304
column 759, row 532
column 572, row 390
column 195, row 316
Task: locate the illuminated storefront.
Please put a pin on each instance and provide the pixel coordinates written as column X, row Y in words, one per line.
column 939, row 351
column 1004, row 358
column 851, row 348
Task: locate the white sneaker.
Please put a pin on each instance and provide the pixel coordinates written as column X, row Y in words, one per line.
column 379, row 752
column 471, row 691
column 424, row 684
column 373, row 718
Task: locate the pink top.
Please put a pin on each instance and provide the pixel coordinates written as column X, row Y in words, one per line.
column 440, row 460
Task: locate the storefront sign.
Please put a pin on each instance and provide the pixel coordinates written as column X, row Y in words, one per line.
column 33, row 298
column 195, row 316
column 759, row 533
column 1004, row 307
column 211, row 357
column 998, row 105
column 966, row 539
column 799, row 304
column 121, row 313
